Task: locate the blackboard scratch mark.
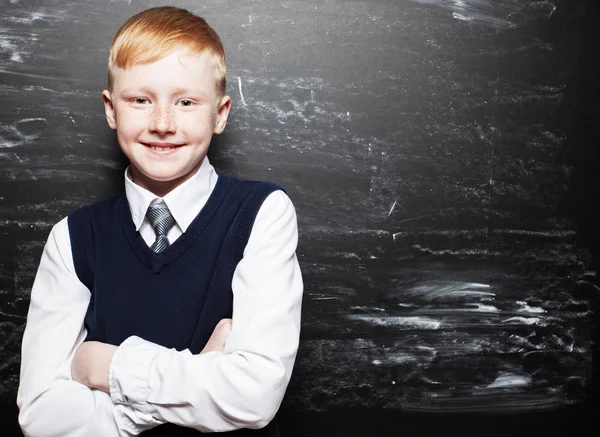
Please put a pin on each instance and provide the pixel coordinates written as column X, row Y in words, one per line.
column 392, row 208
column 27, row 120
column 451, row 290
column 38, row 76
column 241, row 93
column 544, row 234
column 39, row 88
column 368, row 308
column 283, row 21
column 29, row 19
column 499, row 14
column 527, row 309
column 458, row 252
column 522, row 320
column 14, row 316
column 29, row 224
column 539, row 234
column 397, row 235
column 414, row 322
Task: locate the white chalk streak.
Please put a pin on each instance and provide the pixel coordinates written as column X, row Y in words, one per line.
column 526, row 308
column 392, row 208
column 445, row 290
column 410, row 322
column 241, row 93
column 39, row 76
column 461, row 17
column 522, row 321
column 509, row 380
column 483, row 308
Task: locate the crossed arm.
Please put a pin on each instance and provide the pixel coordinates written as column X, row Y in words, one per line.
column 92, row 359
column 240, row 386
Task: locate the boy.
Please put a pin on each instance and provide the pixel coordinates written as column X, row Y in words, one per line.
column 128, row 331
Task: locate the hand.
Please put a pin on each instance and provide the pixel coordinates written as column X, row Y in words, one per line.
column 216, row 342
column 91, row 364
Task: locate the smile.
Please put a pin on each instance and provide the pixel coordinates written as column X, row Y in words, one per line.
column 162, row 147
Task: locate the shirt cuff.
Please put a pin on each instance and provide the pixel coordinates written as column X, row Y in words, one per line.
column 128, row 377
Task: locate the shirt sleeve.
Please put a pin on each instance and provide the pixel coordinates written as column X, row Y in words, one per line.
column 50, row 402
column 243, row 386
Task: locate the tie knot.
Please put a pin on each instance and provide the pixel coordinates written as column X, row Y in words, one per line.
column 161, row 219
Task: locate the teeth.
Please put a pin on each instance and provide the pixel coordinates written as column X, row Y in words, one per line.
column 161, row 149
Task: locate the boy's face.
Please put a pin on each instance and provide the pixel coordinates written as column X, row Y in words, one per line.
column 165, row 114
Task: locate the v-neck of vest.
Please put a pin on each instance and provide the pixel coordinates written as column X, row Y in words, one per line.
column 158, row 261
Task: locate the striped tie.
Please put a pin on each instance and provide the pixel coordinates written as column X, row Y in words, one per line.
column 161, row 220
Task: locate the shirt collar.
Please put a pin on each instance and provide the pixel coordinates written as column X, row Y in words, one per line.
column 184, row 202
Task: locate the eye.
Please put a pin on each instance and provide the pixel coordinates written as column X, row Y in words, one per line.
column 140, row 100
column 186, row 102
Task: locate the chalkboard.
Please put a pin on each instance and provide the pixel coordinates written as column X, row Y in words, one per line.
column 443, row 159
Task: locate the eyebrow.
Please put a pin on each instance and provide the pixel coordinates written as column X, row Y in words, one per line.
column 176, row 92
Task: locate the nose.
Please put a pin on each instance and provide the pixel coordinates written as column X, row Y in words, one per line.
column 162, row 120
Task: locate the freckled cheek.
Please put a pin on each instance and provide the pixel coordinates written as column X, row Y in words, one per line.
column 194, row 125
column 130, row 123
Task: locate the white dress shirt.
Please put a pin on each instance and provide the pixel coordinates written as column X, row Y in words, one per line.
column 241, row 387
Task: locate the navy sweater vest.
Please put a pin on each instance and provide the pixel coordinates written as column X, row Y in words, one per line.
column 174, row 298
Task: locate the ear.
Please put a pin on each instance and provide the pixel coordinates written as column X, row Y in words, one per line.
column 109, row 109
column 222, row 114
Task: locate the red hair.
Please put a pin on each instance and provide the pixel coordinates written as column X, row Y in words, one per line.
column 155, row 33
